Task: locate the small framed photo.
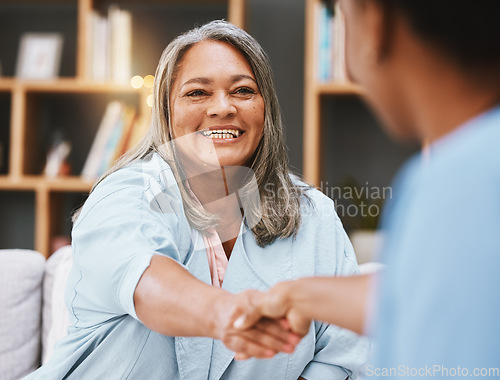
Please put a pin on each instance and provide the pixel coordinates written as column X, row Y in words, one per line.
column 39, row 56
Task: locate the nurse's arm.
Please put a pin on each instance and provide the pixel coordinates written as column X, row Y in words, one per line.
column 170, row 301
column 341, row 301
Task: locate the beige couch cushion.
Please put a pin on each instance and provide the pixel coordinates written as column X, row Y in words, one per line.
column 54, row 314
column 21, row 275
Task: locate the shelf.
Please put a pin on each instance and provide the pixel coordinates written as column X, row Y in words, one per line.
column 43, row 2
column 7, row 84
column 339, row 89
column 166, row 1
column 33, row 183
column 78, row 86
column 12, row 183
column 67, row 85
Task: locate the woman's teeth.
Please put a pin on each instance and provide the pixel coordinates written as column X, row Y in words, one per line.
column 221, row 133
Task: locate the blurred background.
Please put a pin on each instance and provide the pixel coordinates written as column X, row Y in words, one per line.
column 66, row 69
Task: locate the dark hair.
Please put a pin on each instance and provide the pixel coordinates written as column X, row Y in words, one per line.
column 467, row 31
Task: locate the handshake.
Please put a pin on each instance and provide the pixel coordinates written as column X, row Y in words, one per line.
column 261, row 324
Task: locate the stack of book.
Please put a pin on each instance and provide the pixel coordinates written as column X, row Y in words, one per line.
column 331, row 40
column 109, row 45
column 119, row 130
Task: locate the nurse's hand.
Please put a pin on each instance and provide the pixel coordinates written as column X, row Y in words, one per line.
column 339, row 301
column 263, row 339
column 275, row 304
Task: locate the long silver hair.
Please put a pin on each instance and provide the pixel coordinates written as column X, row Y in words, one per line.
column 279, row 215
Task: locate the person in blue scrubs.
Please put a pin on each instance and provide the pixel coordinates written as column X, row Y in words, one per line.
column 431, row 71
column 175, row 242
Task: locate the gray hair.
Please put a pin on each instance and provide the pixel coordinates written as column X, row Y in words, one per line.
column 279, row 215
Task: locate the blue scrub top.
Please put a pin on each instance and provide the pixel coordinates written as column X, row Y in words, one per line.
column 439, row 309
column 136, row 213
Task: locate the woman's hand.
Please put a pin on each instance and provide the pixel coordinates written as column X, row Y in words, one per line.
column 262, row 338
column 170, row 301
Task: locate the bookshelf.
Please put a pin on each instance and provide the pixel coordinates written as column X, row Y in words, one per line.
column 314, row 90
column 30, row 103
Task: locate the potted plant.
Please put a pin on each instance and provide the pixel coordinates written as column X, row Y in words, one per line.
column 359, row 207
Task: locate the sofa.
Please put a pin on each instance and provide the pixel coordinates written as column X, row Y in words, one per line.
column 32, row 312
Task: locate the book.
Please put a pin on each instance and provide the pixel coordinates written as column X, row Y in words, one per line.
column 109, row 45
column 138, row 131
column 325, row 42
column 107, row 126
column 339, row 69
column 99, row 50
column 129, row 118
column 120, row 37
column 331, row 63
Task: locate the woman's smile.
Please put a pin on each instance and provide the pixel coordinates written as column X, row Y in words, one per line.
column 222, row 133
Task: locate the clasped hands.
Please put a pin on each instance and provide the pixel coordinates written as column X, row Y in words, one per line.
column 260, row 324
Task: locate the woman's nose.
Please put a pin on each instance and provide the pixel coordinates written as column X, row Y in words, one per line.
column 221, row 106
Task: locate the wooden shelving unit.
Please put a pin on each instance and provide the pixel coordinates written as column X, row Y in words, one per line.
column 21, row 174
column 314, row 90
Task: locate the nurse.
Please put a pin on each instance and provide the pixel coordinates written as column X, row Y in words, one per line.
column 431, row 71
column 172, row 238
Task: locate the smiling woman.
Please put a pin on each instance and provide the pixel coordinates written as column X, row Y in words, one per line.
column 173, row 239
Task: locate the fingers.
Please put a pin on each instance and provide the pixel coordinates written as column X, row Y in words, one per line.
column 264, row 325
column 241, row 356
column 265, row 335
column 269, row 341
column 298, row 324
column 248, row 319
column 245, row 345
column 265, row 305
column 264, row 340
column 279, row 330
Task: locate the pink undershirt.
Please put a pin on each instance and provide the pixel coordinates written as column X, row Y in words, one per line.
column 217, row 259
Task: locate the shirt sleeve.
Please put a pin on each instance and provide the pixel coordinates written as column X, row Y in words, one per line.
column 114, row 239
column 339, row 353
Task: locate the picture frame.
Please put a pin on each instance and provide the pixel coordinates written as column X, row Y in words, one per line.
column 39, row 56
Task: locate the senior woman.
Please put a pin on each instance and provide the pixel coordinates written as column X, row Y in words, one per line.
column 205, row 207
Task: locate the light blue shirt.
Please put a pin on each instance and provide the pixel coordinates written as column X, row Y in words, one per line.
column 439, row 310
column 136, row 213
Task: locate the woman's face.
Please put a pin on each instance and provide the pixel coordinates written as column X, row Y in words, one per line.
column 217, row 111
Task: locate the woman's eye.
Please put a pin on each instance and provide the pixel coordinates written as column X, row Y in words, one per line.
column 196, row 93
column 245, row 91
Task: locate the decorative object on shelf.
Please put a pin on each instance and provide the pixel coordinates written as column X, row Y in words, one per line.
column 57, row 164
column 39, row 56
